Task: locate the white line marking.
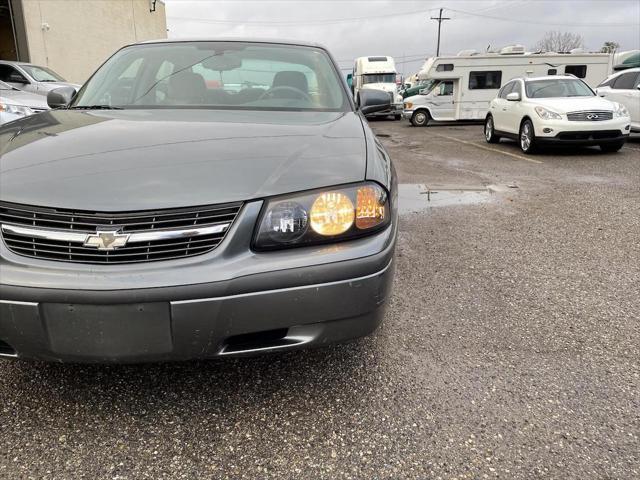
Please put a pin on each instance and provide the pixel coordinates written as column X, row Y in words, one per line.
column 483, row 147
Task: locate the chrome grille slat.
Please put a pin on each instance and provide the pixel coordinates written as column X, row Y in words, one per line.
column 597, row 116
column 185, row 232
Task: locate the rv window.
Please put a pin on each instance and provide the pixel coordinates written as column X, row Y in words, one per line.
column 377, row 59
column 626, row 81
column 445, row 67
column 552, row 71
column 445, row 88
column 579, row 71
column 485, row 80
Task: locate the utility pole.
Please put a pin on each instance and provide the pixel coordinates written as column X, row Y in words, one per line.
column 440, row 19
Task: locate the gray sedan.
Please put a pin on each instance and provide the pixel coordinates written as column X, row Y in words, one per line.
column 31, row 78
column 165, row 213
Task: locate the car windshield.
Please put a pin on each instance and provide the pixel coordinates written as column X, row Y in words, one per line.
column 42, row 74
column 557, row 88
column 220, row 75
column 379, row 78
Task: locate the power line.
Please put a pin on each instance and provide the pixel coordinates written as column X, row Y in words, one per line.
column 440, row 19
column 532, row 22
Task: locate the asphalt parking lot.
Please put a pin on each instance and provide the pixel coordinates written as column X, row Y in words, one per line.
column 511, row 348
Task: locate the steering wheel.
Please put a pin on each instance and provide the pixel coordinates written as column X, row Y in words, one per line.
column 285, row 88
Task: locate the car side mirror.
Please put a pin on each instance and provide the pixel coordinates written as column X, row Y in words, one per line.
column 638, row 87
column 422, row 91
column 372, row 101
column 513, row 97
column 60, row 97
column 436, row 92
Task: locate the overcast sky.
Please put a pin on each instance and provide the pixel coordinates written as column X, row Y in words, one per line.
column 402, row 29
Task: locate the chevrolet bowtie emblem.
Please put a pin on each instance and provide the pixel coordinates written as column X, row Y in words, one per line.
column 106, row 240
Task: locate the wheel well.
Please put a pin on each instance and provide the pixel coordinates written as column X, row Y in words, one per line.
column 525, row 119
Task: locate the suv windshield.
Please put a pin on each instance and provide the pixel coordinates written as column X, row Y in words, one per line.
column 557, row 88
column 379, row 78
column 221, row 75
column 42, row 74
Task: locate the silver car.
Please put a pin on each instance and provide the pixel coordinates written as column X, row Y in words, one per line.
column 164, row 213
column 31, row 78
column 15, row 103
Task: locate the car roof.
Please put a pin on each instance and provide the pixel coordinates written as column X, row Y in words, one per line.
column 298, row 43
column 546, row 77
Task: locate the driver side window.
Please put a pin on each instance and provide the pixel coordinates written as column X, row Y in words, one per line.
column 11, row 75
column 446, row 88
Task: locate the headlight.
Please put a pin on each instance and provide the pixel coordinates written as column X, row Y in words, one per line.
column 15, row 109
column 408, row 105
column 323, row 216
column 547, row 114
column 620, row 110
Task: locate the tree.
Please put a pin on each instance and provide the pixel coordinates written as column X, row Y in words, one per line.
column 559, row 42
column 610, row 47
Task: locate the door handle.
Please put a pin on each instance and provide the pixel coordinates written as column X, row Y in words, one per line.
column 504, row 109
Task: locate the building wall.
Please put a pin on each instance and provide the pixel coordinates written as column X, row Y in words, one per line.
column 74, row 37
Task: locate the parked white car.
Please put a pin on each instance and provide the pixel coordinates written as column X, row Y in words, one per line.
column 15, row 104
column 560, row 110
column 624, row 87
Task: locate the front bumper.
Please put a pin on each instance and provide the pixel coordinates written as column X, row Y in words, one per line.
column 394, row 110
column 563, row 132
column 257, row 302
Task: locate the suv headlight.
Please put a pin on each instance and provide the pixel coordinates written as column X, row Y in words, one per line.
column 322, row 216
column 546, row 114
column 19, row 110
column 620, row 110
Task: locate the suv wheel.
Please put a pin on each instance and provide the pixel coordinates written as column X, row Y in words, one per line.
column 489, row 131
column 420, row 118
column 527, row 137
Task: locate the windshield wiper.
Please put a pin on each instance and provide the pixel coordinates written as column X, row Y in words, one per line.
column 95, row 107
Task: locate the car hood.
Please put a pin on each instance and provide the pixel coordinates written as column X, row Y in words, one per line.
column 120, row 160
column 574, row 104
column 26, row 99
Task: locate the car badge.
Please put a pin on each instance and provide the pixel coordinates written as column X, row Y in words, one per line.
column 106, row 240
column 592, row 116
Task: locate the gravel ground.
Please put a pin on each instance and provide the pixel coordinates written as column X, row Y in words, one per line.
column 511, row 349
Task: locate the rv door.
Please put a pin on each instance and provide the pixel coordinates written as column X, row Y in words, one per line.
column 443, row 106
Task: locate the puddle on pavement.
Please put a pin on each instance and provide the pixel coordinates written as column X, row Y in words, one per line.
column 415, row 197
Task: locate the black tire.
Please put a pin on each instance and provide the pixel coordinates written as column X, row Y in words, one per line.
column 527, row 137
column 611, row 147
column 420, row 118
column 489, row 131
column 397, row 117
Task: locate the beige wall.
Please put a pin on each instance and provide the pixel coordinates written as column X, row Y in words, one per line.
column 82, row 34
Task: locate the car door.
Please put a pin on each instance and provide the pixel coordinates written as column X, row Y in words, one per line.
column 11, row 75
column 443, row 102
column 498, row 108
column 512, row 110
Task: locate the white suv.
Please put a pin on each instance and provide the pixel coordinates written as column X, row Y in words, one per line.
column 556, row 110
column 624, row 87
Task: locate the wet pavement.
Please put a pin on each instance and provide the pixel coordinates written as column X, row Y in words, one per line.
column 510, row 349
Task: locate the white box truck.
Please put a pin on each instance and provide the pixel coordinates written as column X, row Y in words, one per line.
column 460, row 87
column 377, row 73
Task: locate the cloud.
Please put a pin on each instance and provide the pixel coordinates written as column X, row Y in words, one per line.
column 402, row 28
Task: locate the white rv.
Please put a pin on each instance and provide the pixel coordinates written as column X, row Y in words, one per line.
column 377, row 73
column 461, row 87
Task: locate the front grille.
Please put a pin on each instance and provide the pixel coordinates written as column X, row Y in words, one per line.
column 592, row 116
column 595, row 135
column 62, row 221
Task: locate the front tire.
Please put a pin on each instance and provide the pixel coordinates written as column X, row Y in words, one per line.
column 420, row 118
column 527, row 137
column 489, row 131
column 611, row 147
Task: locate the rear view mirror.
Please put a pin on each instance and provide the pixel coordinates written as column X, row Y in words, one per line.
column 372, row 101
column 513, row 97
column 223, row 63
column 60, row 97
